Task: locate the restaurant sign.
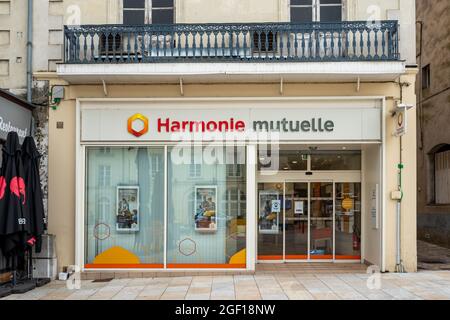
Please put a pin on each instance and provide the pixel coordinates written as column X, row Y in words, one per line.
column 14, row 118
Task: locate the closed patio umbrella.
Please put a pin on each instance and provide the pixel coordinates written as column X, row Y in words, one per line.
column 15, row 226
column 31, row 161
column 14, row 209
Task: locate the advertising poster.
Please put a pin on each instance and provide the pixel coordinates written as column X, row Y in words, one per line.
column 205, row 208
column 127, row 216
column 269, row 212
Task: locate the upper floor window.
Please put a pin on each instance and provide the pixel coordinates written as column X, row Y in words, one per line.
column 134, row 12
column 303, row 11
column 162, row 11
column 439, row 175
column 137, row 12
column 426, row 77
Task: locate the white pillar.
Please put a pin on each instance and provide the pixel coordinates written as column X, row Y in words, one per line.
column 251, row 206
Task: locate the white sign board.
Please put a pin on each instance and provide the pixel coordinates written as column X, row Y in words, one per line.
column 276, row 206
column 291, row 120
column 299, row 208
column 401, row 122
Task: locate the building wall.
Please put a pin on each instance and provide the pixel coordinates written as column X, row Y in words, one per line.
column 433, row 48
column 62, row 150
column 235, row 11
column 47, row 40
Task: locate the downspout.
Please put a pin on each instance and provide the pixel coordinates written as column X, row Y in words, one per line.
column 30, row 51
column 399, row 267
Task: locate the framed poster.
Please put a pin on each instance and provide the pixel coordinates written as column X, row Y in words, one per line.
column 205, row 216
column 269, row 212
column 127, row 204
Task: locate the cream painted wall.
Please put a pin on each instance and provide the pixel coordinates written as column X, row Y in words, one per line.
column 61, row 205
column 372, row 174
column 200, row 11
column 62, row 147
column 409, row 208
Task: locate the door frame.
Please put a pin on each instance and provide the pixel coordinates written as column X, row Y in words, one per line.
column 302, row 178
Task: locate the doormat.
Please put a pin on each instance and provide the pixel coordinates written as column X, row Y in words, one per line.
column 103, row 280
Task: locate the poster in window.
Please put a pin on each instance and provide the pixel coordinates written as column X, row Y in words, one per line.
column 205, row 208
column 127, row 215
column 299, row 208
column 269, row 212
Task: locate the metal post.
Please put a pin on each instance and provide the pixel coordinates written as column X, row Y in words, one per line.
column 30, row 51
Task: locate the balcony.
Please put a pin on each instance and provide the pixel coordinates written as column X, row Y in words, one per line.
column 344, row 41
column 231, row 49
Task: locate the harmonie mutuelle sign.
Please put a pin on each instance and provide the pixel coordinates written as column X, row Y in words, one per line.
column 136, row 122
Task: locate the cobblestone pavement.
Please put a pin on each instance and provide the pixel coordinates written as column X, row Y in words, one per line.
column 267, row 284
column 432, row 257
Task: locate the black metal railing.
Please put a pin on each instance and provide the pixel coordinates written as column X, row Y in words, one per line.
column 342, row 41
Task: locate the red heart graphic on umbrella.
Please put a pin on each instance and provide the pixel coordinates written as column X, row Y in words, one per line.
column 17, row 186
column 2, row 187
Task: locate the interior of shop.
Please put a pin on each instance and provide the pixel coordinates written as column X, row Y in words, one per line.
column 312, row 203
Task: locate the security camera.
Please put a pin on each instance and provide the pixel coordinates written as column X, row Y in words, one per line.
column 403, row 106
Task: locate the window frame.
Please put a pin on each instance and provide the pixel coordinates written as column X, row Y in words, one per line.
column 316, row 8
column 426, row 77
column 148, row 11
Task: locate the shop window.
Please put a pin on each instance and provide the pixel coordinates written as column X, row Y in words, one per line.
column 304, row 11
column 234, row 170
column 330, row 161
column 348, row 221
column 205, row 227
column 426, row 77
column 124, row 211
column 104, row 173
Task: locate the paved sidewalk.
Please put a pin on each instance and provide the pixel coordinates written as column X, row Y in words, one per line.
column 432, row 257
column 267, row 284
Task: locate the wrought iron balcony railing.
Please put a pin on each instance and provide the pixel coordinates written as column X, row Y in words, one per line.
column 267, row 42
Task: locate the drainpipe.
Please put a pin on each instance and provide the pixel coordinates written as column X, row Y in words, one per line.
column 399, row 267
column 30, row 51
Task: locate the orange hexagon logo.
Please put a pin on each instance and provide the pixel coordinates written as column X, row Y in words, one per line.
column 132, row 124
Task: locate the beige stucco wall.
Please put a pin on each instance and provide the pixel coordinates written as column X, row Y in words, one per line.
column 62, row 148
column 47, row 40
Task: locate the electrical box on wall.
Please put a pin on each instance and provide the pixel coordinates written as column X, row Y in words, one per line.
column 396, row 195
column 57, row 93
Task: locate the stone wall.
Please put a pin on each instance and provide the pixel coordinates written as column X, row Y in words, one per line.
column 433, row 108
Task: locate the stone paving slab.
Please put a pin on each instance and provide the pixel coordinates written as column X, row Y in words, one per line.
column 292, row 285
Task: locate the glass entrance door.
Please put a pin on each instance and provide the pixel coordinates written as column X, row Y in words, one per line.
column 321, row 220
column 296, row 221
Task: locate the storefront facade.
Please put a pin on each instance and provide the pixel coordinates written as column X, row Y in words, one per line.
column 204, row 183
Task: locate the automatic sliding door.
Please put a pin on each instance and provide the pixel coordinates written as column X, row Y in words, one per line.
column 296, row 221
column 270, row 221
column 321, row 220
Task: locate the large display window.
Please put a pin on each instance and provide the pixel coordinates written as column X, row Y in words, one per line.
column 124, row 222
column 206, row 207
column 145, row 208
